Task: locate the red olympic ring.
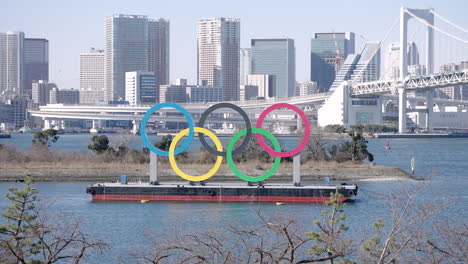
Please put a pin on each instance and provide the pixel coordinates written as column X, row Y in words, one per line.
column 306, row 133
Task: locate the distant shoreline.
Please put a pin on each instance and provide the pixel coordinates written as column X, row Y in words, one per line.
column 108, row 172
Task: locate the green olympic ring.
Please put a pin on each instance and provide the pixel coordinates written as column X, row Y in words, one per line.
column 239, row 174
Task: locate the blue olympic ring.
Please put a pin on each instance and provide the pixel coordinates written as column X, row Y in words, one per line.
column 144, row 136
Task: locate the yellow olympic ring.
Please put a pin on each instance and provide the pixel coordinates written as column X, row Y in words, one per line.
column 182, row 174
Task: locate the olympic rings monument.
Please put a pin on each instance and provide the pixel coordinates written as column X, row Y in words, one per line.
column 261, row 192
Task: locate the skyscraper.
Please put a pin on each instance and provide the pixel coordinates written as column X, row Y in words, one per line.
column 413, row 54
column 244, row 65
column 92, row 88
column 36, row 62
column 11, row 62
column 218, row 43
column 328, row 52
column 276, row 57
column 126, row 50
column 159, row 49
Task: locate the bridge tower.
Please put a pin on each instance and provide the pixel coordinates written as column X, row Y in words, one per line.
column 405, row 15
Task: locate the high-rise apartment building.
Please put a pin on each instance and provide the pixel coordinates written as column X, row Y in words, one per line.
column 218, row 43
column 276, row 57
column 140, row 88
column 245, row 65
column 36, row 62
column 11, row 62
column 126, row 49
column 328, row 53
column 457, row 92
column 159, row 49
column 92, row 87
column 134, row 43
column 392, row 59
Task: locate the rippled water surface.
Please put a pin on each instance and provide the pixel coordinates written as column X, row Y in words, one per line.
column 123, row 224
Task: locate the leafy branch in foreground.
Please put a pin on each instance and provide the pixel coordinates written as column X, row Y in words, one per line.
column 330, row 243
column 43, row 138
column 405, row 235
column 30, row 235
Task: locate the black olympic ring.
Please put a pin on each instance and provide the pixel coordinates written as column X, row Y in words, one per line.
column 236, row 108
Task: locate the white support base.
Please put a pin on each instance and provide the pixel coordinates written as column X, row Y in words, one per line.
column 153, row 168
column 297, row 170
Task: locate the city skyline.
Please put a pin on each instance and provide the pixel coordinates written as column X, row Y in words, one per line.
column 300, row 23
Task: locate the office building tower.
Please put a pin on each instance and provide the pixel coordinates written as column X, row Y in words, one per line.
column 18, row 111
column 203, row 94
column 307, row 88
column 40, row 92
column 159, row 49
column 64, row 96
column 362, row 67
column 218, row 43
column 140, row 88
column 11, row 62
column 172, row 93
column 181, row 92
column 265, row 83
column 276, row 57
column 368, row 67
column 126, row 49
column 244, row 65
column 328, row 52
column 92, row 87
column 413, row 54
column 249, row 92
column 36, row 62
column 4, row 115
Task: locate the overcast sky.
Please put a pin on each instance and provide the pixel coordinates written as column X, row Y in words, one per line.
column 73, row 27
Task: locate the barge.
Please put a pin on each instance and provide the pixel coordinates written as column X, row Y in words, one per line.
column 211, row 192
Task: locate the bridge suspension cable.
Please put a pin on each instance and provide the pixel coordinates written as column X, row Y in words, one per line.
column 449, row 22
column 395, row 60
column 359, row 75
column 435, row 28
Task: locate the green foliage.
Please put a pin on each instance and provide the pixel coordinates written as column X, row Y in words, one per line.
column 164, row 143
column 358, row 146
column 329, row 241
column 253, row 151
column 43, row 138
column 100, row 144
column 30, row 237
column 375, row 128
column 20, row 218
column 335, row 129
column 371, row 250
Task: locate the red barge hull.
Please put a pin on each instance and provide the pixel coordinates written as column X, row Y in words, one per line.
column 219, row 193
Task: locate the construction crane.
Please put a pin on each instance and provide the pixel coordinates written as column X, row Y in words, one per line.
column 338, row 58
